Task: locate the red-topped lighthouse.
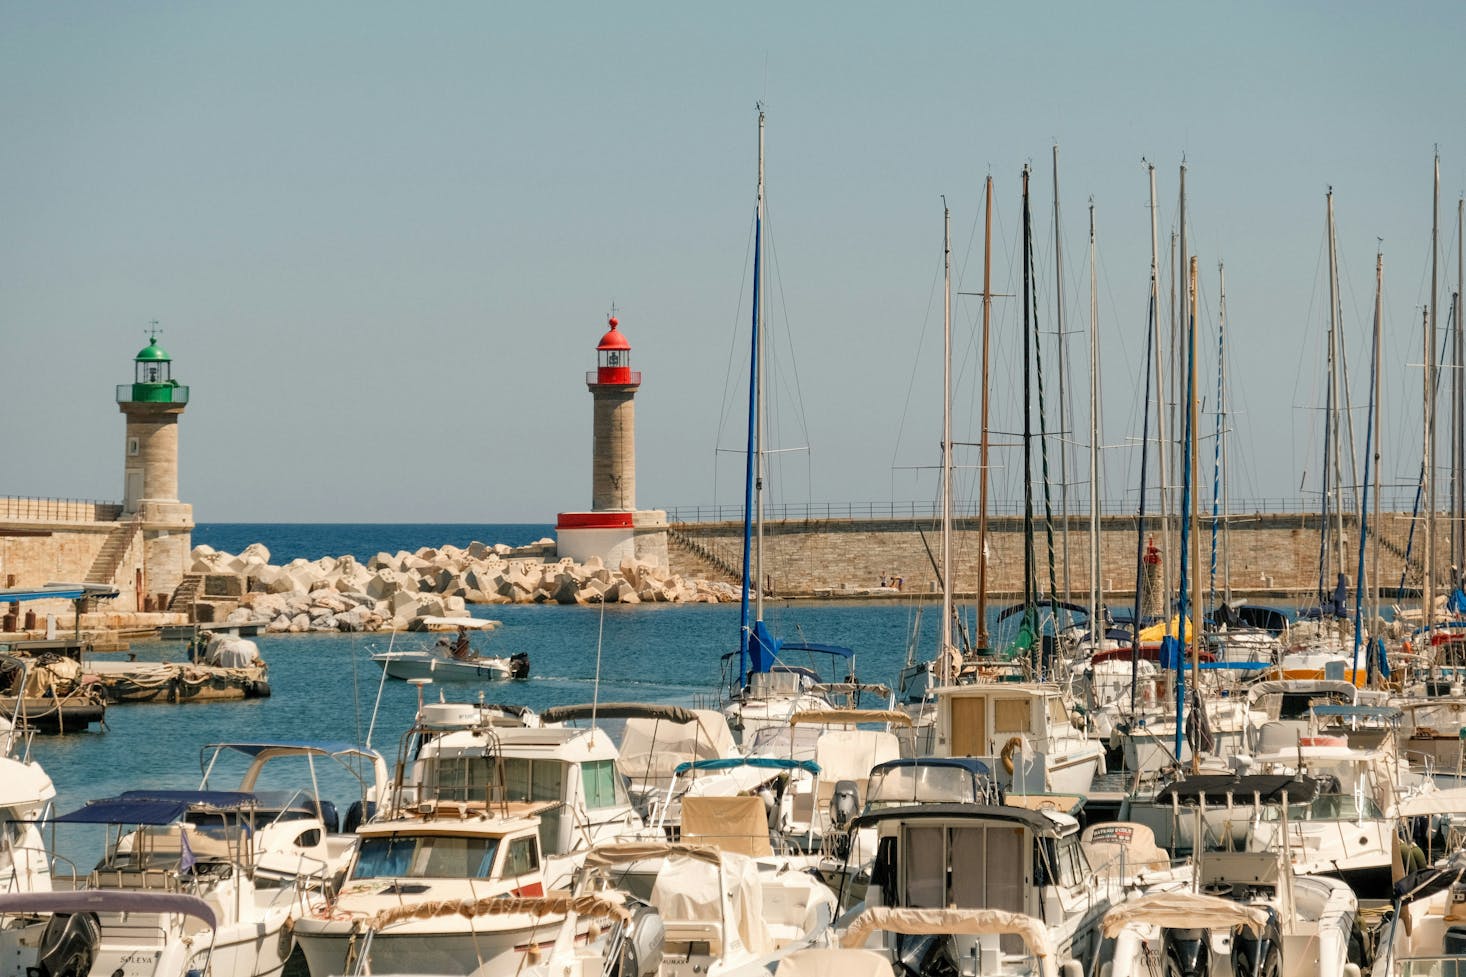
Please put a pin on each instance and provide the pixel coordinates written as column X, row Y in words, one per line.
column 614, row 529
column 614, row 385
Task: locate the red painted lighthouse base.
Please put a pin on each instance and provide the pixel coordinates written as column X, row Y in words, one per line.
column 613, row 536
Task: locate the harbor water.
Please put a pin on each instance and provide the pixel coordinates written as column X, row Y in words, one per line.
column 325, row 686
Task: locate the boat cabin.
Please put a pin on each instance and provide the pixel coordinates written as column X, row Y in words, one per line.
column 1020, row 729
column 453, row 843
column 979, row 856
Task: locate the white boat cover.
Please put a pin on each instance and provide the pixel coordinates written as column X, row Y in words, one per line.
column 1121, row 849
column 849, row 754
column 555, row 904
column 1184, row 910
column 968, row 922
column 651, row 749
column 724, row 895
column 1451, row 801
column 731, row 824
column 231, row 651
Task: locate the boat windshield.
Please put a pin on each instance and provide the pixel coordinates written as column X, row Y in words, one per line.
column 786, row 742
column 920, row 784
column 399, row 856
column 1327, row 807
column 780, row 682
column 1433, row 967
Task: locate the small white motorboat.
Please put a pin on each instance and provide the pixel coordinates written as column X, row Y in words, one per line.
column 440, row 664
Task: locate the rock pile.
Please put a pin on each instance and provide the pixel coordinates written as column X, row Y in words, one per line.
column 396, row 592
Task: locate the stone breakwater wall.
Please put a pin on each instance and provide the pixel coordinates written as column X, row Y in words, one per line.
column 1268, row 553
column 397, row 591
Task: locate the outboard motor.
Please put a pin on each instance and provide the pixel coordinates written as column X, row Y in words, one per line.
column 640, row 952
column 928, row 955
column 1259, row 956
column 1188, row 953
column 519, row 665
column 844, row 803
column 69, row 945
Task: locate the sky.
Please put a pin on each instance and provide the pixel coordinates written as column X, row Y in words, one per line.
column 382, row 240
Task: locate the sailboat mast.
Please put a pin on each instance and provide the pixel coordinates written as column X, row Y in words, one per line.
column 946, row 676
column 1095, row 590
column 1458, row 409
column 1194, row 466
column 1335, row 421
column 1377, row 415
column 982, row 492
column 1222, row 431
column 751, row 454
column 759, row 356
column 1162, row 447
column 1428, row 588
column 1028, row 554
column 1359, row 598
column 1063, row 391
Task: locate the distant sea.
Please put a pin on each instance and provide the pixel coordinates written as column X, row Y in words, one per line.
column 288, row 541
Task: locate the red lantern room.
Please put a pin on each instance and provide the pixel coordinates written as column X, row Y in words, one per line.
column 613, row 358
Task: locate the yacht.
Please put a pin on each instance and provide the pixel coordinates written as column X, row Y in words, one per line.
column 1023, row 731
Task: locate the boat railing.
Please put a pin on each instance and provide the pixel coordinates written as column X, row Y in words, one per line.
column 1442, row 966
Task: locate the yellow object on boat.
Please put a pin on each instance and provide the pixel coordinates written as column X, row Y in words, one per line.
column 1156, row 632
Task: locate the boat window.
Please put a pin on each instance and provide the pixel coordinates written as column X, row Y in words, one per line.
column 425, row 857
column 1070, row 864
column 1011, row 716
column 977, row 867
column 920, row 784
column 926, row 868
column 603, row 785
column 1327, row 807
column 533, row 780
column 523, row 857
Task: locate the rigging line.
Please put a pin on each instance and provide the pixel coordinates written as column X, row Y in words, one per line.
column 915, row 364
column 1043, row 451
column 733, row 348
column 784, row 306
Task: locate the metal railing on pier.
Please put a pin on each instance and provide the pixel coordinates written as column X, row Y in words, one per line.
column 20, row 508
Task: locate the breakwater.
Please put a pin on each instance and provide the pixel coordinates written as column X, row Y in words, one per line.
column 1262, row 554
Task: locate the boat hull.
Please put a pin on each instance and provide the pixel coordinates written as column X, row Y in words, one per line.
column 410, row 665
column 444, row 946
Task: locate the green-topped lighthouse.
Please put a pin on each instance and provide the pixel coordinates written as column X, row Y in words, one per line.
column 152, row 404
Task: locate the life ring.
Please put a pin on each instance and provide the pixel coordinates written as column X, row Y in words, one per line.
column 1014, row 744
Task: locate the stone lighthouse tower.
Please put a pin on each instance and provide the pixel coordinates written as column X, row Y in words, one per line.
column 614, row 529
column 152, row 404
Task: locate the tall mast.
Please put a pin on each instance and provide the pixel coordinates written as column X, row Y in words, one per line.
column 1359, row 596
column 1428, row 589
column 1375, row 413
column 1333, row 421
column 1029, row 569
column 1222, row 425
column 946, row 676
column 759, row 355
column 752, row 468
column 1193, row 464
column 1458, row 409
column 982, row 492
column 1063, row 393
column 1095, row 590
column 1162, row 447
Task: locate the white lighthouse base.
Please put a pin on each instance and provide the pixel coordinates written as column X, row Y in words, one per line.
column 613, row 536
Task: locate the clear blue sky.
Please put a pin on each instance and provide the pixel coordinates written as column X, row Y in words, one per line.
column 382, row 239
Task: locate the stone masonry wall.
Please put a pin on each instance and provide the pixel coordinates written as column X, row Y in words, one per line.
column 1269, row 553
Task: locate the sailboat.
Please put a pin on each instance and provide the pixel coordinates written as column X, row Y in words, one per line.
column 767, row 691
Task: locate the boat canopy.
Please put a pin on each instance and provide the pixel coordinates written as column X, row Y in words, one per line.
column 827, row 717
column 589, row 905
column 732, row 762
column 821, row 649
column 976, row 922
column 627, row 852
column 1306, row 686
column 618, row 710
column 155, row 807
column 1184, row 910
column 970, row 764
column 1037, row 822
column 107, row 901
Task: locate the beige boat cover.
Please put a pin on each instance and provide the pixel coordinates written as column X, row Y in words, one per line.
column 834, row 962
column 832, row 717
column 1184, row 910
column 624, row 853
column 730, row 824
column 968, row 922
column 651, row 749
column 1121, row 849
column 557, row 904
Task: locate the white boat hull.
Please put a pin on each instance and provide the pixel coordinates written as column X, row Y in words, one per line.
column 414, row 664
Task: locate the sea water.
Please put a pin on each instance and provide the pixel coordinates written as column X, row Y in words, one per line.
column 325, row 686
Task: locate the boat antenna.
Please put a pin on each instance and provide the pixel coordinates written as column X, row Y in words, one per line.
column 595, row 695
column 377, row 706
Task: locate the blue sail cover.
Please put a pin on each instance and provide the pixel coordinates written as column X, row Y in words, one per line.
column 1171, row 654
column 763, row 648
column 1456, row 603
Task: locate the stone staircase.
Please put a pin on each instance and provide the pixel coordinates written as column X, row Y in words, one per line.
column 186, row 593
column 114, row 551
column 692, row 558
